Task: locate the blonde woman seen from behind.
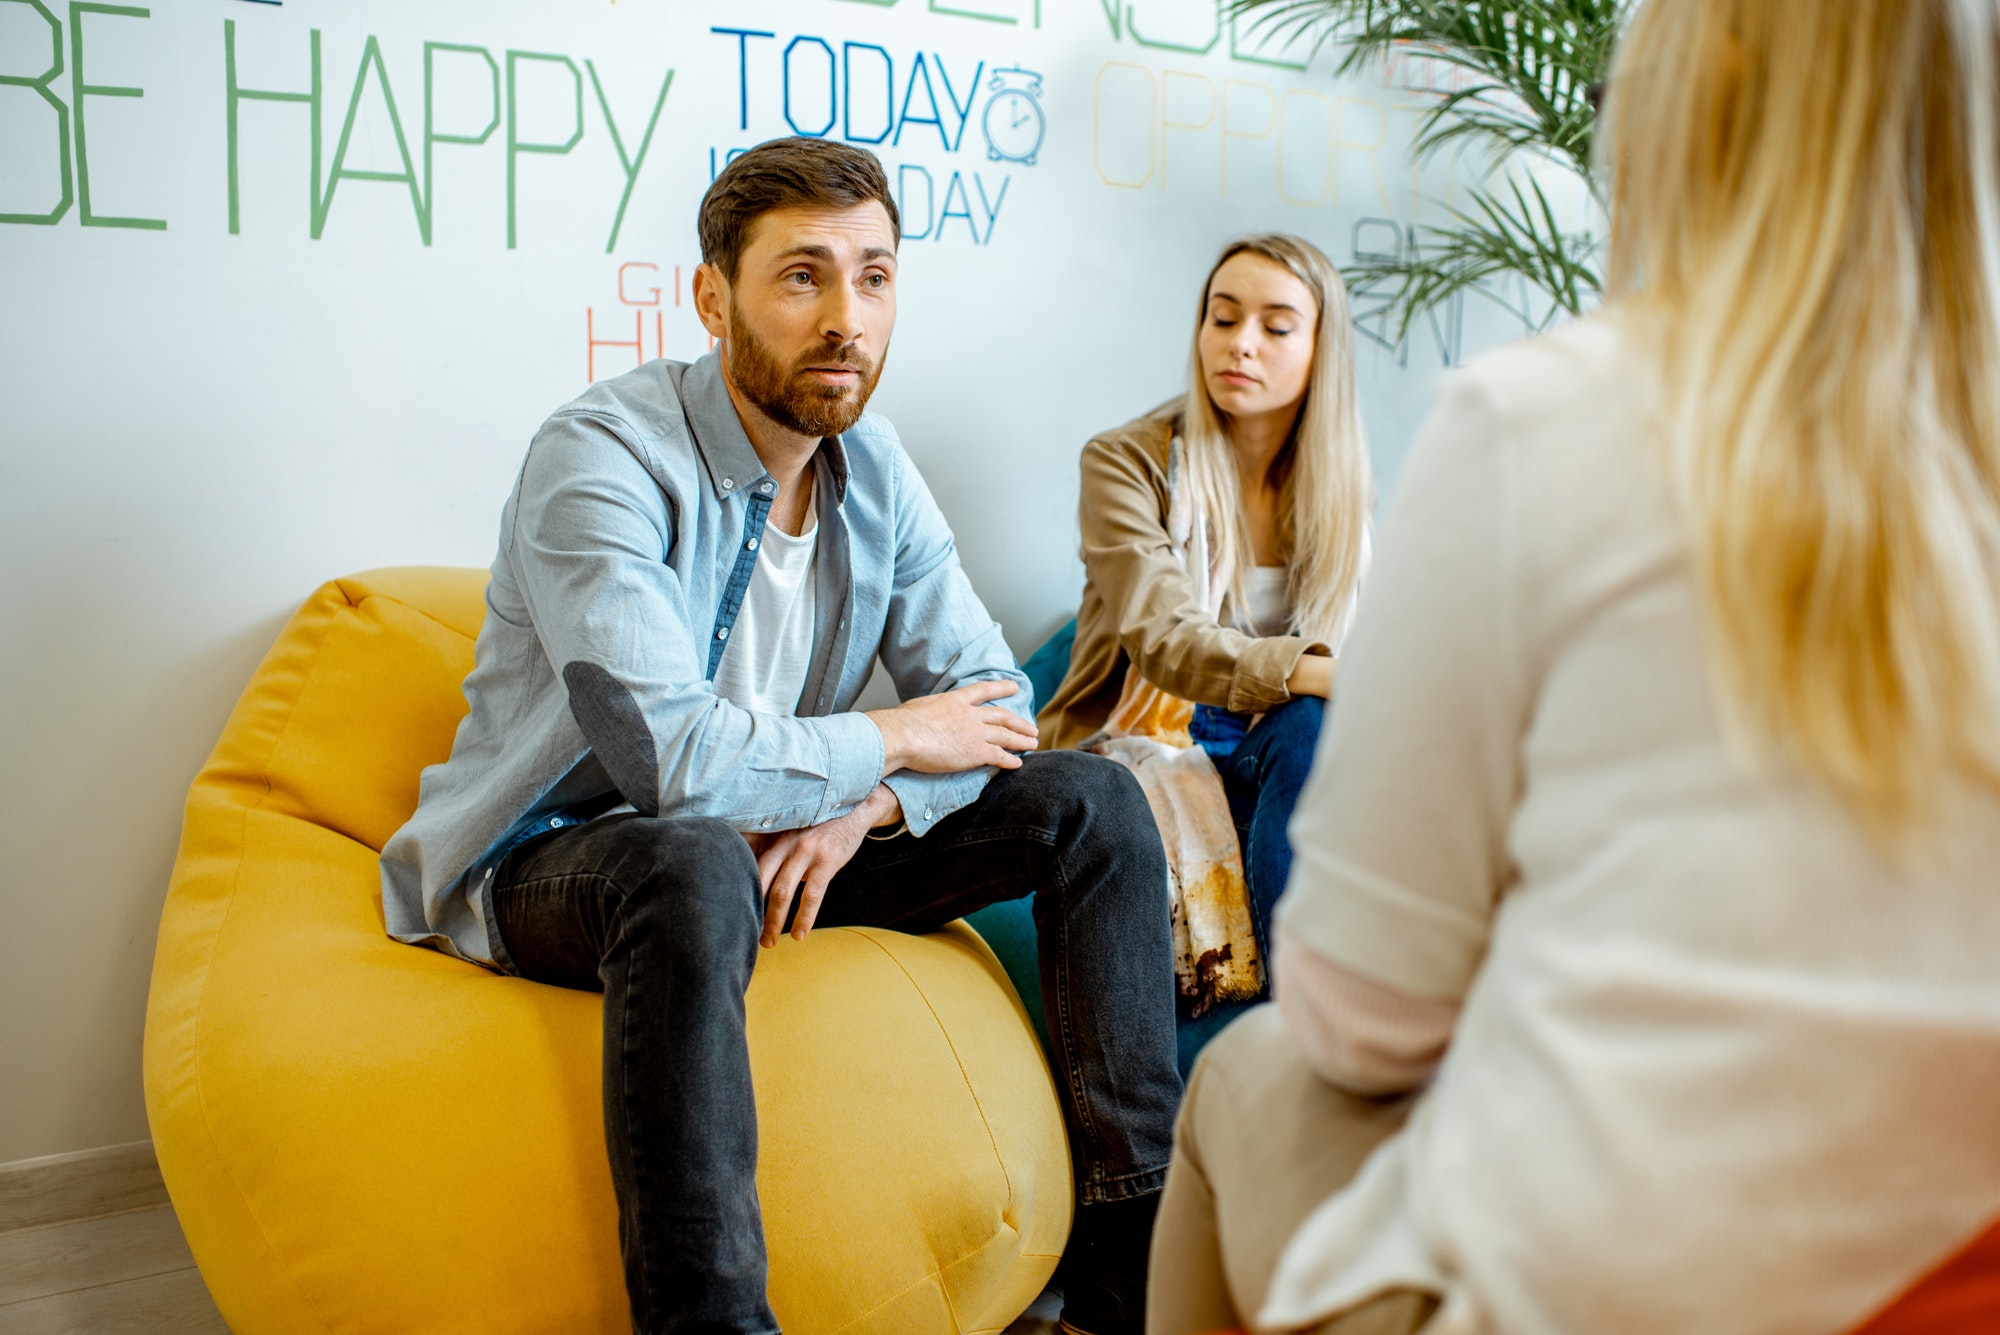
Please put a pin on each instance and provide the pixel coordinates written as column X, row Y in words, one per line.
column 1638, row 970
column 1224, row 540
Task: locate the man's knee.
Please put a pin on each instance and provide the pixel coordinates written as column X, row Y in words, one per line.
column 1102, row 826
column 692, row 877
column 1080, row 790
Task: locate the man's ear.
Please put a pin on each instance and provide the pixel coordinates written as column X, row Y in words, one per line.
column 711, row 300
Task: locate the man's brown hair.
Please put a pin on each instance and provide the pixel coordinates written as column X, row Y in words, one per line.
column 787, row 173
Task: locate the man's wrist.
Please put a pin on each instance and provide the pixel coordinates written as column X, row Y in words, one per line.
column 885, row 813
column 893, row 758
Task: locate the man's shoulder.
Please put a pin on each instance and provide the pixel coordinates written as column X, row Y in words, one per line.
column 644, row 402
column 631, row 422
column 620, row 445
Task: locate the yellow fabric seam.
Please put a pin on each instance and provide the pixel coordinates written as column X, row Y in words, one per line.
column 215, row 943
column 868, row 934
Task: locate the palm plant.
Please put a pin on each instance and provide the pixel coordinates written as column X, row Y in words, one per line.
column 1528, row 75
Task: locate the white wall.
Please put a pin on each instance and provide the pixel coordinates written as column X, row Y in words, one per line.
column 198, row 426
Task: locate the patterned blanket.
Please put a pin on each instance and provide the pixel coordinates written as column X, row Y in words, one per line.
column 1216, row 955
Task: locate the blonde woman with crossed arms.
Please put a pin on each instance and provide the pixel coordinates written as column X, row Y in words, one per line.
column 1652, row 862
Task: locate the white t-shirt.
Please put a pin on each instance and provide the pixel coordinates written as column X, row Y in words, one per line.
column 763, row 667
column 1269, row 594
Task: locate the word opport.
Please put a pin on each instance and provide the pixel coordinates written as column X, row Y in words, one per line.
column 1142, row 116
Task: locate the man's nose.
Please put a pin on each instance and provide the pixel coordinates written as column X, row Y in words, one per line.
column 839, row 320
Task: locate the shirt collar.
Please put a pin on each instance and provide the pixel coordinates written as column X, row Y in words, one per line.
column 718, row 433
column 725, row 448
column 834, row 451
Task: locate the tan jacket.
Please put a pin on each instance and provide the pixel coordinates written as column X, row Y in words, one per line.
column 1140, row 607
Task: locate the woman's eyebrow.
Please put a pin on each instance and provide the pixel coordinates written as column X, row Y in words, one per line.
column 1271, row 306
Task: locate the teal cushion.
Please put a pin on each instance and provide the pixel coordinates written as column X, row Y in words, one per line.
column 1009, row 926
column 1048, row 665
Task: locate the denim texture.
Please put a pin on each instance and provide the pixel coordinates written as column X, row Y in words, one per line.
column 663, row 914
column 1264, row 764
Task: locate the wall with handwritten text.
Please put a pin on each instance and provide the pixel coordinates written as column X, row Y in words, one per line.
column 285, row 287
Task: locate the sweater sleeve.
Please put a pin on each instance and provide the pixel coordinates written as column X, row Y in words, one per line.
column 1400, row 838
column 1360, row 1035
column 1156, row 606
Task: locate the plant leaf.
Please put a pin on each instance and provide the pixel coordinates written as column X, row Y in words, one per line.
column 1521, row 72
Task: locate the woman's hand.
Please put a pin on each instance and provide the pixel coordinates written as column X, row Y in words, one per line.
column 1312, row 675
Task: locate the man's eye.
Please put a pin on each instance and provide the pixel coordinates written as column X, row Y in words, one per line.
column 876, row 280
column 801, row 278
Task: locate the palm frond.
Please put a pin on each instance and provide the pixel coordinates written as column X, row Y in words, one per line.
column 1528, row 64
column 1521, row 72
column 1514, row 231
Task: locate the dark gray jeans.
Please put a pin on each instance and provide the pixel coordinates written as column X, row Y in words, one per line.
column 663, row 916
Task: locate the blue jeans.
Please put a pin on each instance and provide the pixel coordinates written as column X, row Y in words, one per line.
column 663, row 916
column 1264, row 767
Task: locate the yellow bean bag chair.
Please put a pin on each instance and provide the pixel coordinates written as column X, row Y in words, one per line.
column 363, row 1136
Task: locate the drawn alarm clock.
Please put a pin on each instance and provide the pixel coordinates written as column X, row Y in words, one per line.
column 1014, row 123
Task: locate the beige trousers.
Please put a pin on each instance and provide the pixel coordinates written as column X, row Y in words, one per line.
column 1261, row 1142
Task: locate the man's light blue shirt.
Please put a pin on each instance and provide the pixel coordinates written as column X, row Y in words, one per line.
column 625, row 551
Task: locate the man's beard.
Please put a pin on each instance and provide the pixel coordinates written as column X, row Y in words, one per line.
column 790, row 396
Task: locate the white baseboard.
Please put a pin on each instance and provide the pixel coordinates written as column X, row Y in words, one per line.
column 59, row 1188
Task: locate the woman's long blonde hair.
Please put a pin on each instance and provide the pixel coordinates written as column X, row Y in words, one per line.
column 1804, row 195
column 1326, row 487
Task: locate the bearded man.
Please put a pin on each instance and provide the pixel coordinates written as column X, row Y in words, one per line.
column 663, row 769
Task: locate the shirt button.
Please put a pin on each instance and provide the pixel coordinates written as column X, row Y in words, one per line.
column 729, row 484
column 929, row 813
column 765, row 488
column 767, row 822
column 722, row 634
column 555, row 822
column 750, row 546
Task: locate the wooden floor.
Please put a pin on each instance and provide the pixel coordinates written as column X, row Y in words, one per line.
column 1039, row 1319
column 115, row 1273
column 131, row 1272
column 89, row 1245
